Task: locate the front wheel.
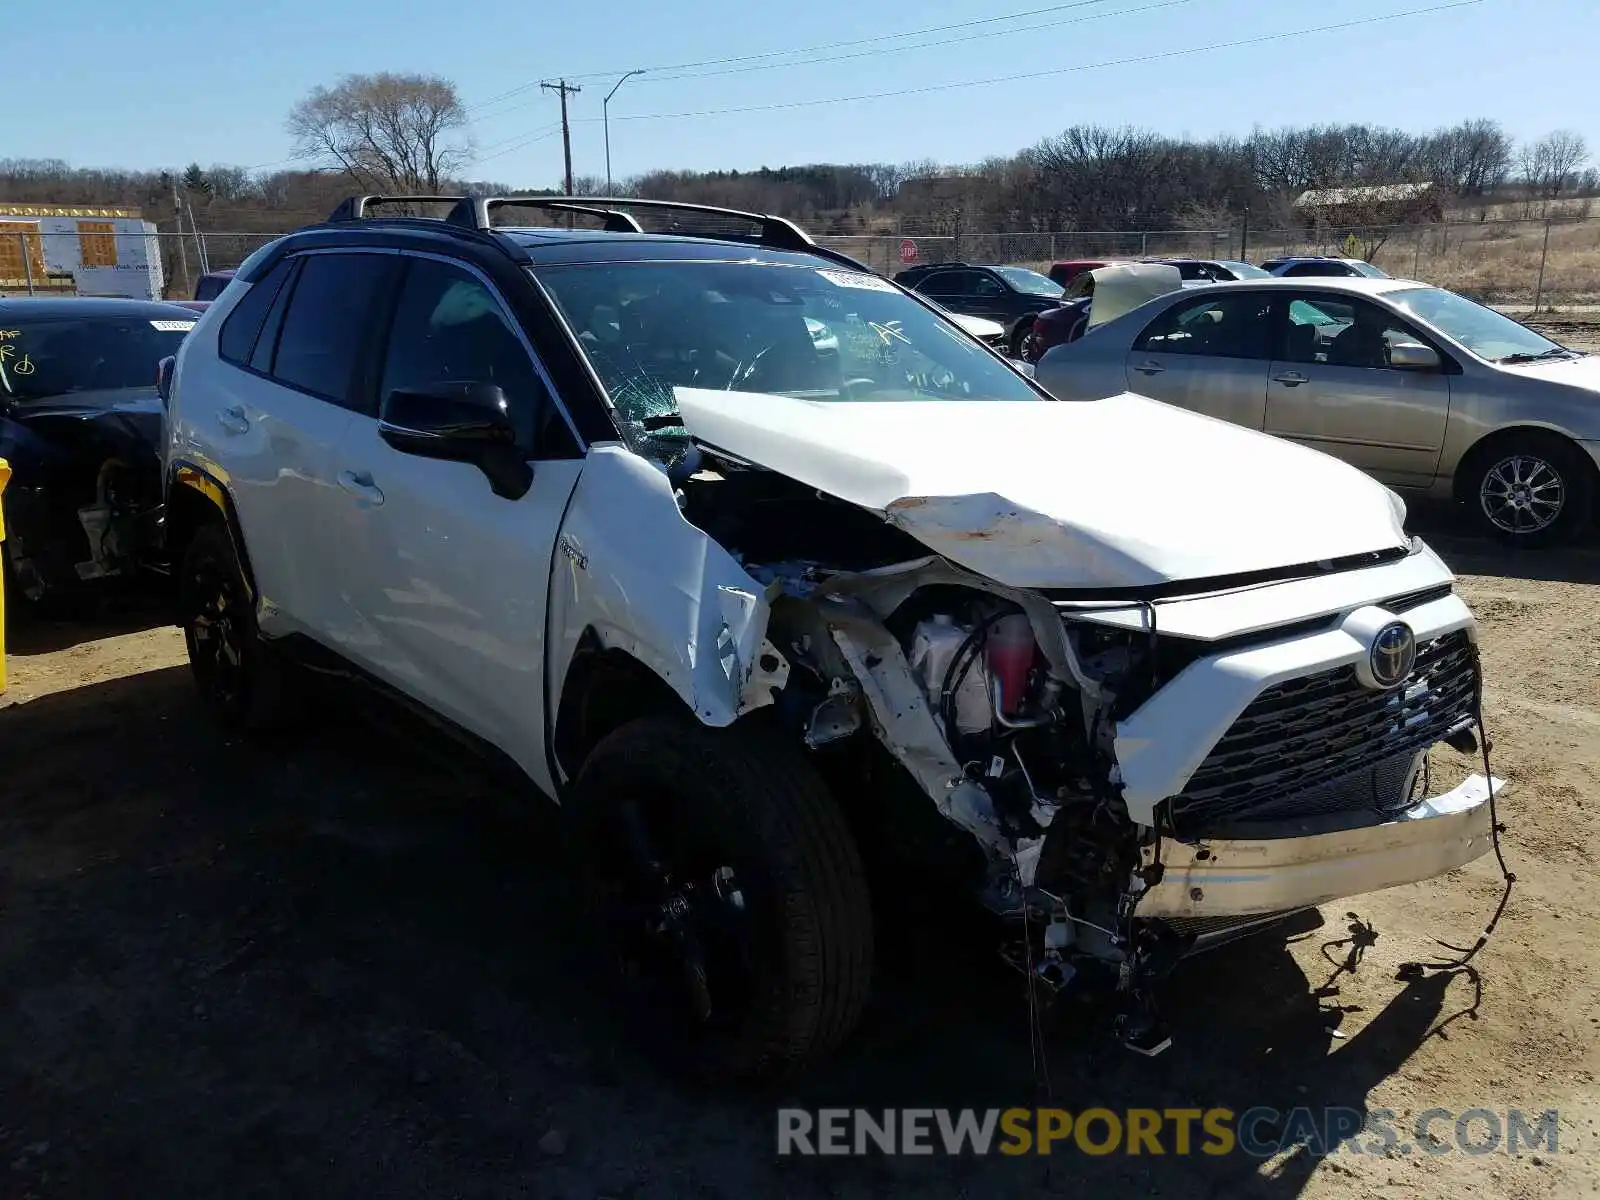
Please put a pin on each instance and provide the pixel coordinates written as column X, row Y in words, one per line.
column 1534, row 489
column 727, row 895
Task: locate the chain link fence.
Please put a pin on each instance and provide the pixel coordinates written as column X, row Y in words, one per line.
column 1527, row 264
column 1516, row 264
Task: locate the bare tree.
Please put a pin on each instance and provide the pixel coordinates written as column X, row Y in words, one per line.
column 1553, row 163
column 386, row 131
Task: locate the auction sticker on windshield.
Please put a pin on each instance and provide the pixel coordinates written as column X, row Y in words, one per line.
column 854, row 279
column 172, row 326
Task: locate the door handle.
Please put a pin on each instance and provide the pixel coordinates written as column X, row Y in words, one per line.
column 233, row 419
column 359, row 484
column 1150, row 368
column 1290, row 379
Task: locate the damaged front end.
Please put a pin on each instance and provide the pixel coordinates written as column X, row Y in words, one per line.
column 1143, row 737
column 84, row 505
column 1138, row 796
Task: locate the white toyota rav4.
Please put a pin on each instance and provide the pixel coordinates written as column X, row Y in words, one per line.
column 748, row 600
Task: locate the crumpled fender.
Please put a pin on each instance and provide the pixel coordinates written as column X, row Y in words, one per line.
column 630, row 568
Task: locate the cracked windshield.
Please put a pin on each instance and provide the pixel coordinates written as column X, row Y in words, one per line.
column 807, row 332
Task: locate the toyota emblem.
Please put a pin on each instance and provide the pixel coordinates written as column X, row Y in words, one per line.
column 1394, row 653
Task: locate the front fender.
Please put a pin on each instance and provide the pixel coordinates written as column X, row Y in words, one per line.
column 630, row 569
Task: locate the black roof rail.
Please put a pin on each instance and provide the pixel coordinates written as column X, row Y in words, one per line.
column 775, row 232
column 354, row 208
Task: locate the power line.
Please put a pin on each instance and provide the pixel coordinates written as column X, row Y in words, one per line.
column 963, row 40
column 1051, row 72
column 526, row 141
column 768, row 54
column 524, row 135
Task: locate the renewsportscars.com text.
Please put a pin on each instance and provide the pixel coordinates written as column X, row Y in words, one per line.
column 1260, row 1132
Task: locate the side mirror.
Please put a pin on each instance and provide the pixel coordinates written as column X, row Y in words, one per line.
column 164, row 370
column 459, row 422
column 1411, row 356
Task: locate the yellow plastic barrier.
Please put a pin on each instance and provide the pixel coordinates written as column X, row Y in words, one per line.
column 5, row 474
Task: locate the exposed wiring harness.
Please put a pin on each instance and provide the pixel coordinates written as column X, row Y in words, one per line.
column 1467, row 953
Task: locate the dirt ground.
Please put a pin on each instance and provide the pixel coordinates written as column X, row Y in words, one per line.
column 328, row 966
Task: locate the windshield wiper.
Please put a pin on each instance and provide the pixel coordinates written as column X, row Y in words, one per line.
column 1553, row 352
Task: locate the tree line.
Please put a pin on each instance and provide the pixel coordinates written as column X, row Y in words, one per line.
column 411, row 133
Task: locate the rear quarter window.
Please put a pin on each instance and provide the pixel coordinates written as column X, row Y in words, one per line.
column 243, row 325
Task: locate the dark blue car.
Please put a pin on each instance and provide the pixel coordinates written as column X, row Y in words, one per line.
column 80, row 424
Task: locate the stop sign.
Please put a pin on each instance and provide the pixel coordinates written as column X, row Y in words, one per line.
column 908, row 251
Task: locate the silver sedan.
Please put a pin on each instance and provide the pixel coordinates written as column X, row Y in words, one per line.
column 1431, row 393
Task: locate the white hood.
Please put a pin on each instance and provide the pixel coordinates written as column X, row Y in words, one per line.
column 1121, row 492
column 978, row 327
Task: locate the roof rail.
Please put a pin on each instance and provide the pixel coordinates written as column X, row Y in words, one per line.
column 354, row 208
column 775, row 232
column 615, row 222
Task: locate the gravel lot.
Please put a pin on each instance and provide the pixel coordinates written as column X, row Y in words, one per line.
column 330, row 966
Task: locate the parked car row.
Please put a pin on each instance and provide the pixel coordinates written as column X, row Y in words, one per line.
column 1019, row 297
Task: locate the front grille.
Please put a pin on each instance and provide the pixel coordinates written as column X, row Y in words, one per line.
column 1325, row 743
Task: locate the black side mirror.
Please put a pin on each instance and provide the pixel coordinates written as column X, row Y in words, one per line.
column 164, row 370
column 460, row 422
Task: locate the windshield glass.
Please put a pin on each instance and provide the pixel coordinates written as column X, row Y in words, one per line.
column 1243, row 270
column 55, row 356
column 1481, row 330
column 1367, row 269
column 821, row 333
column 1028, row 281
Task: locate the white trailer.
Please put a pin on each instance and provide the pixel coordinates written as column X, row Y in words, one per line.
column 84, row 249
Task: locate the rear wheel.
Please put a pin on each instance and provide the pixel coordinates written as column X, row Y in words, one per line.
column 1532, row 489
column 242, row 679
column 728, row 896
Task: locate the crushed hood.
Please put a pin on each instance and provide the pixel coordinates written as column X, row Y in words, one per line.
column 1117, row 493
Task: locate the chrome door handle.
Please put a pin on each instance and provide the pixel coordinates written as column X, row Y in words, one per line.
column 359, row 484
column 233, row 419
column 1290, row 379
column 1150, row 368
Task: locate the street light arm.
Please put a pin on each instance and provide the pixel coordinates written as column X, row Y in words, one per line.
column 620, row 82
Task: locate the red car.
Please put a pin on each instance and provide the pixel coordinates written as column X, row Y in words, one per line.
column 1066, row 271
column 1066, row 323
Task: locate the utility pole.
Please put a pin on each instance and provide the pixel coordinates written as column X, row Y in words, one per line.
column 177, row 224
column 563, row 88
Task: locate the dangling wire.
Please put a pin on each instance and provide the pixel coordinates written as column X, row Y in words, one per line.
column 1468, row 953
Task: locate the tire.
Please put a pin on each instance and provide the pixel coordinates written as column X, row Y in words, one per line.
column 243, row 681
column 728, row 895
column 1019, row 336
column 1530, row 489
column 37, row 597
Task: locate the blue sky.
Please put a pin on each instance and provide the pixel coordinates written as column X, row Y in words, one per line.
column 121, row 84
